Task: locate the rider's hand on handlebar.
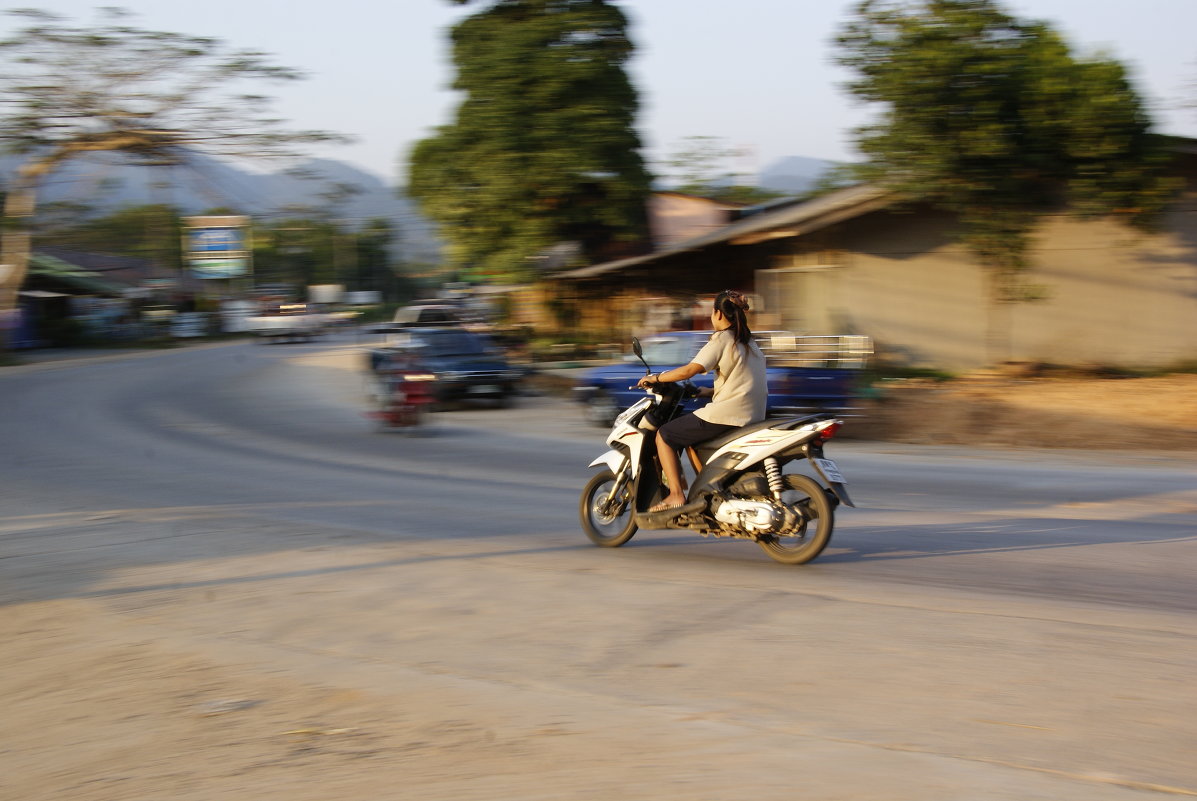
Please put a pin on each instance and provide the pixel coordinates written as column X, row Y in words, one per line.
column 648, row 380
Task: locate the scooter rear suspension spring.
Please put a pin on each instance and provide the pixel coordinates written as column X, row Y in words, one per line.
column 773, row 476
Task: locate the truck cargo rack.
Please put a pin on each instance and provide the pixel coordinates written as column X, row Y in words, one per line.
column 847, row 351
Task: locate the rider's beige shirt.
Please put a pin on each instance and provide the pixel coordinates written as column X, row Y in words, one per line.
column 741, row 388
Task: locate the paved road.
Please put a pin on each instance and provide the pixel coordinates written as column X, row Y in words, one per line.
column 988, row 625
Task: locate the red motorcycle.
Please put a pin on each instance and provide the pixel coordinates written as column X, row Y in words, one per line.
column 404, row 394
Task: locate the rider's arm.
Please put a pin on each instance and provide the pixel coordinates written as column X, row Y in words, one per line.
column 683, row 373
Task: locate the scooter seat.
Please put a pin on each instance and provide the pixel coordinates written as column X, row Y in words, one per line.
column 707, row 447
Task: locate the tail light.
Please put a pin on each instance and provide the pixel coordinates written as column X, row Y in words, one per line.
column 829, row 432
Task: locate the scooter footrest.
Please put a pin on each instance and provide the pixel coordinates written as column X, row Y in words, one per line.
column 652, row 520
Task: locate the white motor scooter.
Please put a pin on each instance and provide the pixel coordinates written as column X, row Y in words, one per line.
column 741, row 488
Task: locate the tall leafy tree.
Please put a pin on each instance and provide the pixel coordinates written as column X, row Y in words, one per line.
column 993, row 117
column 67, row 90
column 543, row 149
column 376, row 269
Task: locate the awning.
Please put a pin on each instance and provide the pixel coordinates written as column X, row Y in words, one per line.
column 53, row 270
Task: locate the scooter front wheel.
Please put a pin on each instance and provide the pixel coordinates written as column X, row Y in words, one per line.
column 799, row 547
column 608, row 521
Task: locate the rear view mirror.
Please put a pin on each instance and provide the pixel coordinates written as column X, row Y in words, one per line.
column 639, row 351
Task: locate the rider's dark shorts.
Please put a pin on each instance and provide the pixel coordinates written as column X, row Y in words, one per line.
column 689, row 429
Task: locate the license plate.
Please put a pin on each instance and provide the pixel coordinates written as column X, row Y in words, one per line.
column 831, row 470
column 483, row 389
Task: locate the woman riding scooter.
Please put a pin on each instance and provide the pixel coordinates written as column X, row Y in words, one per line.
column 739, row 397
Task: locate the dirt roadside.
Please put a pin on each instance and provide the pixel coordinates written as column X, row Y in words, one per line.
column 994, row 411
column 1107, row 414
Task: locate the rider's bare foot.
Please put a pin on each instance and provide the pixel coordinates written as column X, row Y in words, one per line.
column 670, row 502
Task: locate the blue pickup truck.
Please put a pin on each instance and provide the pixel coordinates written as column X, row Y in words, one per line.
column 806, row 374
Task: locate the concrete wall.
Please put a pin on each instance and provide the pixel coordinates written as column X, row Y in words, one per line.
column 1111, row 295
column 1114, row 295
column 898, row 279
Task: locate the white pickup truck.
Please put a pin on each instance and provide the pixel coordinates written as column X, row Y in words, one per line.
column 293, row 322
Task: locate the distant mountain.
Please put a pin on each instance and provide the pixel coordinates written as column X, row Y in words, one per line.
column 793, row 174
column 104, row 183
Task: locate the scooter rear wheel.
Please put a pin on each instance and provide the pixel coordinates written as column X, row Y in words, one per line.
column 798, row 550
column 607, row 522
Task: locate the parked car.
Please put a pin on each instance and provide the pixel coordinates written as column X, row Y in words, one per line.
column 805, row 374
column 293, row 322
column 466, row 364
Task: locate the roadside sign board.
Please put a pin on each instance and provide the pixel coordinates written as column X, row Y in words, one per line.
column 217, row 247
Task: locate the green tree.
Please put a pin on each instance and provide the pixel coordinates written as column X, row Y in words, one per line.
column 379, row 270
column 150, row 232
column 994, row 119
column 297, row 251
column 543, row 148
column 374, row 268
column 67, row 90
column 300, row 249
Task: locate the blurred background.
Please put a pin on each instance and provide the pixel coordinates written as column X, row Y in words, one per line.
column 969, row 184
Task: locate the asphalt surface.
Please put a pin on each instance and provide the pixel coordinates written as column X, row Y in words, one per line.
column 986, row 625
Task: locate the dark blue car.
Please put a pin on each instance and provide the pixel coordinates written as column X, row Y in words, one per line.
column 608, row 390
column 465, row 365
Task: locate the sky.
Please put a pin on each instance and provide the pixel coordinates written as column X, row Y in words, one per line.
column 758, row 75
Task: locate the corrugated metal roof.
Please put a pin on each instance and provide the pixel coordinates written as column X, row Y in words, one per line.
column 794, row 220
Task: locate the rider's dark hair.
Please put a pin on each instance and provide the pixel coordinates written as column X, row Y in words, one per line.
column 733, row 305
